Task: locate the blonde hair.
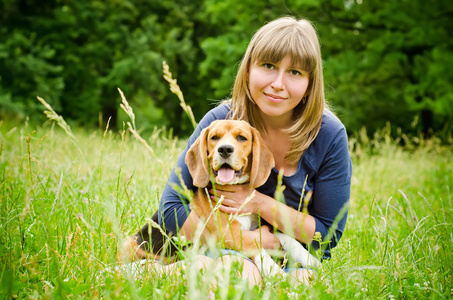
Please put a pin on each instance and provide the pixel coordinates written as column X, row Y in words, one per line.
column 271, row 43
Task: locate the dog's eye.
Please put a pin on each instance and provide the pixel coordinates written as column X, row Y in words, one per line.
column 241, row 138
column 215, row 138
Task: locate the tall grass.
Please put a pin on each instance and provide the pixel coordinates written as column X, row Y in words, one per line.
column 64, row 209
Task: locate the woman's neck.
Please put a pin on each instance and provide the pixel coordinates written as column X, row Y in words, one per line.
column 279, row 143
column 275, row 124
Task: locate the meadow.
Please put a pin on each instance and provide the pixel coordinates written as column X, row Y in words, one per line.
column 67, row 200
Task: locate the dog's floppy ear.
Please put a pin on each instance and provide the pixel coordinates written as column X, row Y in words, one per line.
column 196, row 160
column 262, row 161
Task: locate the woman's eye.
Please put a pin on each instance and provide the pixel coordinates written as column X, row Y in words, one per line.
column 241, row 138
column 295, row 72
column 268, row 66
column 215, row 138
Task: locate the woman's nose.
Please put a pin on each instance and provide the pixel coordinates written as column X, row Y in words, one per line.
column 278, row 82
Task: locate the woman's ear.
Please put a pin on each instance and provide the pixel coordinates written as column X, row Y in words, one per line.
column 262, row 161
column 197, row 160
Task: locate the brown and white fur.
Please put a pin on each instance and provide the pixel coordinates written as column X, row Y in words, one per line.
column 233, row 152
column 226, row 152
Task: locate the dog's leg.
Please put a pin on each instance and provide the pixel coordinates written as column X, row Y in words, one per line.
column 146, row 243
column 263, row 260
column 297, row 251
column 267, row 265
column 135, row 247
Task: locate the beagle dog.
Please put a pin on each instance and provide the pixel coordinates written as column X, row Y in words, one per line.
column 233, row 152
column 227, row 152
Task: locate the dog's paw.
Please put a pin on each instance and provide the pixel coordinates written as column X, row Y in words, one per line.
column 267, row 266
column 130, row 251
column 297, row 252
column 134, row 269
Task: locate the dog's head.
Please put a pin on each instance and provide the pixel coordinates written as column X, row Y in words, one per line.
column 233, row 152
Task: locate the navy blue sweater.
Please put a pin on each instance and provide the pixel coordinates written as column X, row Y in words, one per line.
column 325, row 168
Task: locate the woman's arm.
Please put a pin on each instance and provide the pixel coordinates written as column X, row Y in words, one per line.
column 332, row 190
column 284, row 218
column 330, row 181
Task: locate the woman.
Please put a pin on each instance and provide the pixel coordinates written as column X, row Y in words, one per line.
column 279, row 90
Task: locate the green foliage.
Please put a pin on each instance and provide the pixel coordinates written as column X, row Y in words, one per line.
column 387, row 61
column 26, row 71
column 76, row 53
column 383, row 61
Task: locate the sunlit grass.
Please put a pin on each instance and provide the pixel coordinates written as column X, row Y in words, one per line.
column 63, row 211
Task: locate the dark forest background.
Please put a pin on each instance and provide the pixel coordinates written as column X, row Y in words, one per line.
column 384, row 61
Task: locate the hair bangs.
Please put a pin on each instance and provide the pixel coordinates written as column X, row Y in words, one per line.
column 272, row 48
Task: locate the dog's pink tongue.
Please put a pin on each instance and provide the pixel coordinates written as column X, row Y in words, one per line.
column 225, row 175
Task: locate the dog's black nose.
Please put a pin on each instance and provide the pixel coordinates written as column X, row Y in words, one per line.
column 225, row 150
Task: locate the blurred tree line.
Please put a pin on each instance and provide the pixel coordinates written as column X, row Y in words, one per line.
column 384, row 61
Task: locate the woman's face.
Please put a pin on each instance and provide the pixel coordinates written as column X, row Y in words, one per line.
column 277, row 88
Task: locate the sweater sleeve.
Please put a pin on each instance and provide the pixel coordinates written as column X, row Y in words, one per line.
column 332, row 188
column 174, row 208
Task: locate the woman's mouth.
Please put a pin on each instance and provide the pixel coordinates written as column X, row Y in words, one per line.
column 274, row 98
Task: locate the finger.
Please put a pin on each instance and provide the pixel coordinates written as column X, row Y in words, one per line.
column 227, row 202
column 219, row 198
column 218, row 193
column 227, row 209
column 265, row 227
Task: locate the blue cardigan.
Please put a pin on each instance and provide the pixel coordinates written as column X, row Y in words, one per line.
column 325, row 168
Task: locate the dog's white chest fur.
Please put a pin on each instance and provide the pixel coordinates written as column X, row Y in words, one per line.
column 248, row 222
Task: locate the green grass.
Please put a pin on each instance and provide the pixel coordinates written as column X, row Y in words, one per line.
column 63, row 211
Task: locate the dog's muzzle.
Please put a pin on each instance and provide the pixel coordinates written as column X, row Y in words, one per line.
column 226, row 173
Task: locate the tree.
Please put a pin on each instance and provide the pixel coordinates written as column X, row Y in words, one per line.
column 388, row 61
column 76, row 53
column 383, row 61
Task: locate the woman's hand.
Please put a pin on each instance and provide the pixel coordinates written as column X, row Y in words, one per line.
column 265, row 238
column 236, row 198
